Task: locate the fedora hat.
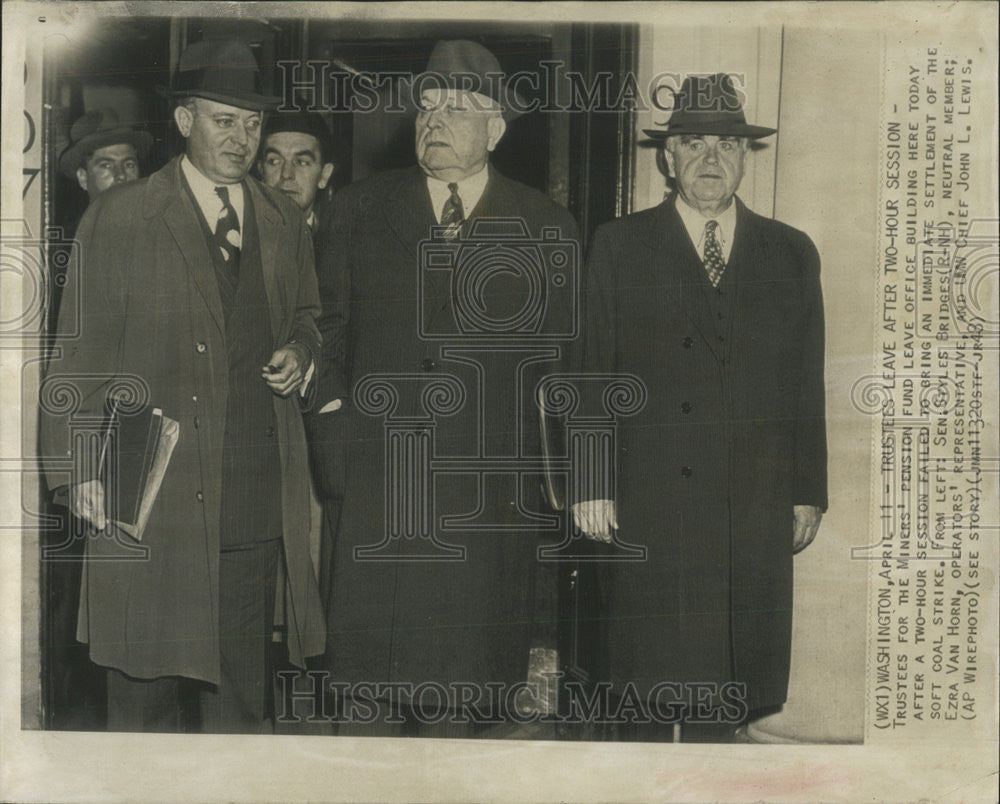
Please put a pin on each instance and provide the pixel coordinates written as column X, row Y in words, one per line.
column 708, row 104
column 462, row 64
column 224, row 71
column 99, row 128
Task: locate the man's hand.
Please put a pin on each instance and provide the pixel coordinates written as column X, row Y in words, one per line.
column 86, row 501
column 807, row 519
column 290, row 363
column 595, row 518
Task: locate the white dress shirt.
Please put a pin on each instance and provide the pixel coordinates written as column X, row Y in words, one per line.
column 208, row 200
column 695, row 222
column 470, row 190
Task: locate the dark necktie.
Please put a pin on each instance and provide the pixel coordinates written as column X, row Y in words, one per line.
column 714, row 262
column 452, row 214
column 227, row 231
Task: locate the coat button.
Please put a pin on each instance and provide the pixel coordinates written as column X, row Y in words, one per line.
column 685, row 407
column 686, row 471
column 197, row 423
column 270, row 432
column 194, row 398
column 688, row 343
column 200, row 496
column 427, row 364
column 201, row 348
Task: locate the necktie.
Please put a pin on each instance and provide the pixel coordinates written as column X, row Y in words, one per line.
column 714, row 263
column 452, row 214
column 227, row 231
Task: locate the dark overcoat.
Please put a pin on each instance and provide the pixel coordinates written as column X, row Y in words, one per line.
column 467, row 619
column 147, row 301
column 731, row 437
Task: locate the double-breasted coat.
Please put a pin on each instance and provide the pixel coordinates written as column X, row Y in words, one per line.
column 150, row 316
column 731, row 437
column 425, row 620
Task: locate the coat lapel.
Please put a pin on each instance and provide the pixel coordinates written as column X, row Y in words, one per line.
column 269, row 222
column 167, row 196
column 676, row 254
column 408, row 214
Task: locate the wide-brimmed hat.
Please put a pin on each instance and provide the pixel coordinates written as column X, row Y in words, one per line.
column 99, row 128
column 224, row 71
column 708, row 104
column 462, row 64
column 302, row 122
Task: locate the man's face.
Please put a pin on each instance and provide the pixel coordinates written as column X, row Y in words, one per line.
column 222, row 140
column 112, row 164
column 291, row 163
column 708, row 169
column 456, row 131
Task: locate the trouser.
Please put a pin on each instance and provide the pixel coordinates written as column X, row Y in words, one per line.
column 242, row 701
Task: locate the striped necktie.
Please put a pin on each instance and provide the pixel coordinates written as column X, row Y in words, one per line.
column 714, row 263
column 452, row 213
column 227, row 231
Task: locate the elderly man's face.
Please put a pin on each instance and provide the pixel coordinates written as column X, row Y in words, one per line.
column 112, row 164
column 291, row 163
column 707, row 168
column 222, row 140
column 456, row 131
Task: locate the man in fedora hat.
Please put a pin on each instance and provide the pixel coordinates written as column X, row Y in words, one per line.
column 722, row 475
column 104, row 151
column 405, row 613
column 296, row 158
column 206, row 303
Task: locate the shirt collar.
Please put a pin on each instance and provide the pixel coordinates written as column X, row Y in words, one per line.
column 470, row 190
column 208, row 200
column 694, row 223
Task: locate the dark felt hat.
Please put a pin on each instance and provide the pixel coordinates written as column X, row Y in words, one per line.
column 302, row 122
column 708, row 104
column 462, row 64
column 224, row 71
column 99, row 128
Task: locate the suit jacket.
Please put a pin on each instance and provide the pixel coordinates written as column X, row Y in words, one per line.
column 466, row 620
column 151, row 319
column 731, row 437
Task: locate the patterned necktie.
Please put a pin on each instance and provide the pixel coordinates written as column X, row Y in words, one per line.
column 714, row 263
column 452, row 214
column 227, row 231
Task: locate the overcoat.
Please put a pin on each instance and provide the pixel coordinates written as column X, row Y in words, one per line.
column 467, row 619
column 150, row 317
column 731, row 437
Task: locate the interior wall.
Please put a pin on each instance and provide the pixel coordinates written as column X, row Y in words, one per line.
column 815, row 174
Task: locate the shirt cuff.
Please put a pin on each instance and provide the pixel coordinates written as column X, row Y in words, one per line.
column 304, row 388
column 330, row 407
